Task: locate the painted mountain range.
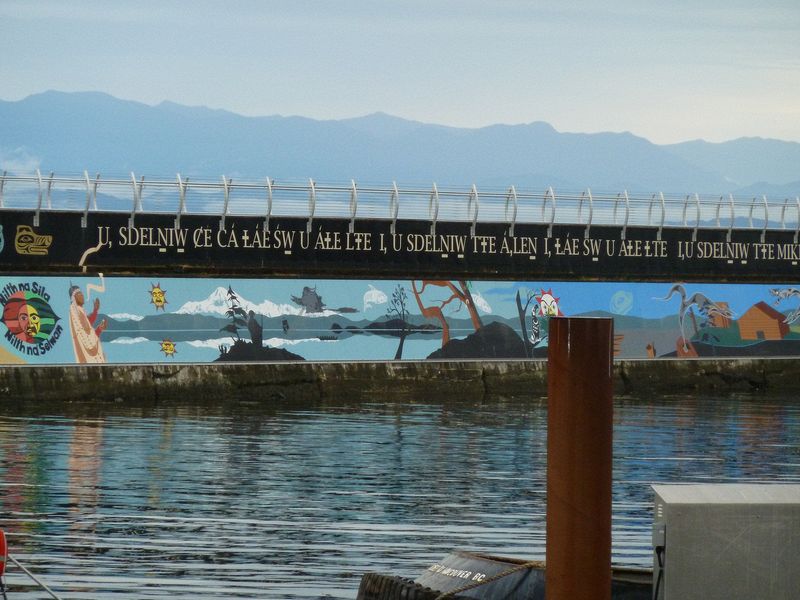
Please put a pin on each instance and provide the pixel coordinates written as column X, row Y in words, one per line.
column 217, row 303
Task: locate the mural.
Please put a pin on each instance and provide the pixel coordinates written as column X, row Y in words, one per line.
column 85, row 335
column 32, row 327
column 92, row 319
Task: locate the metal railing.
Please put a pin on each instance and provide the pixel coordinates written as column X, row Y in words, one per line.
column 268, row 198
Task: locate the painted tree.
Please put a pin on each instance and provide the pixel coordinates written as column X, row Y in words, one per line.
column 398, row 309
column 459, row 292
column 236, row 314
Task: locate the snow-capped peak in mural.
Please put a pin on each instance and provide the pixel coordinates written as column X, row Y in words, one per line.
column 218, row 304
column 126, row 317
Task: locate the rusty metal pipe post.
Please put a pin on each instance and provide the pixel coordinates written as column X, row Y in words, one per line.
column 579, row 456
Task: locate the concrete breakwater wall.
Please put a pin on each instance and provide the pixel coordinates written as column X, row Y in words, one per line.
column 375, row 381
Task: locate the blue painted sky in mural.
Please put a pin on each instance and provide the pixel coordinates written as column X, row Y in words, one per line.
column 645, row 299
column 132, row 295
column 126, row 295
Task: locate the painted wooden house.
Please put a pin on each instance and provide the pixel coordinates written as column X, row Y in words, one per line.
column 762, row 322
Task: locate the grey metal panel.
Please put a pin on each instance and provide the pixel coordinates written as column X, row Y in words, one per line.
column 729, row 493
column 730, row 541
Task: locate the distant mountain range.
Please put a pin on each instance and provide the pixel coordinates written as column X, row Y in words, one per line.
column 70, row 132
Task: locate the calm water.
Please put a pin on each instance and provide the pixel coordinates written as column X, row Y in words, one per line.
column 298, row 502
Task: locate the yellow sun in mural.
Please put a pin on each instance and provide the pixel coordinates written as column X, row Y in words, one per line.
column 168, row 347
column 158, row 297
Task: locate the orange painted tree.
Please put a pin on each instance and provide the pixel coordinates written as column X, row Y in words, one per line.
column 459, row 291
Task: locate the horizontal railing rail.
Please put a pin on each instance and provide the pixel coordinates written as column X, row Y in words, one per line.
column 267, row 198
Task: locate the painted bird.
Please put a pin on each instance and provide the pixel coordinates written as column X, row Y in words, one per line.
column 705, row 306
column 783, row 294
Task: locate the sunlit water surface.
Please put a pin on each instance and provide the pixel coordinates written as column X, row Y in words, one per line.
column 292, row 501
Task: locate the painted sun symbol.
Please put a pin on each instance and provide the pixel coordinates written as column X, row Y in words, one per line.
column 158, row 297
column 548, row 303
column 168, row 347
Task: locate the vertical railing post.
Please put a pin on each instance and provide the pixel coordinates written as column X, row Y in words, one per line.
column 394, row 207
column 473, row 201
column 137, row 198
column 312, row 203
column 353, row 205
column 511, row 196
column 3, row 182
column 182, row 185
column 226, row 189
column 39, row 202
column 50, row 191
column 433, row 208
column 85, row 217
column 579, row 457
column 269, row 205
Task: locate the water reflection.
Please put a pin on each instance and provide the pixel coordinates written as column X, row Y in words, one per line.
column 298, row 501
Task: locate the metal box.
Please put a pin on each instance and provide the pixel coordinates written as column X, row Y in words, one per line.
column 727, row 542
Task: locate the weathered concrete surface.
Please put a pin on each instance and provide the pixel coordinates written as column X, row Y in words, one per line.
column 307, row 381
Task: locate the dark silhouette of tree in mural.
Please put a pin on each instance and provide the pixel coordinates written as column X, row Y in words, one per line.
column 459, row 291
column 236, row 314
column 398, row 309
column 241, row 350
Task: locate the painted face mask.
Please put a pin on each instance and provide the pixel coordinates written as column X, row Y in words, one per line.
column 34, row 322
column 29, row 323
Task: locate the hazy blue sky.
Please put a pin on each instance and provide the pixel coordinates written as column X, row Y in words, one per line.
column 669, row 71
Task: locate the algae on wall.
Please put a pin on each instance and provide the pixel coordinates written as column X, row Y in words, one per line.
column 429, row 381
